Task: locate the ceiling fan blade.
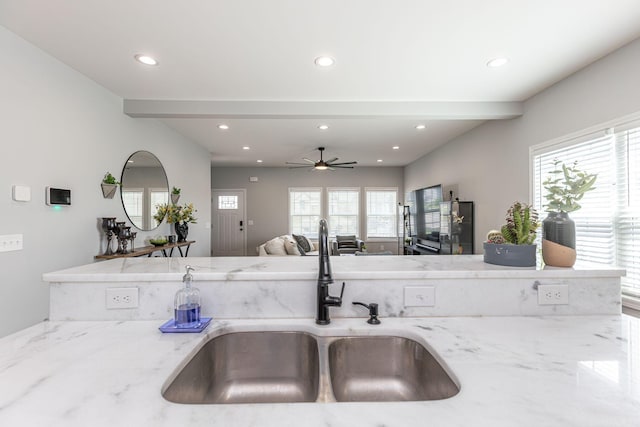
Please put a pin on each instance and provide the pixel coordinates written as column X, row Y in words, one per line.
column 309, row 160
column 342, row 167
column 294, row 163
column 332, row 160
column 343, row 163
column 301, row 167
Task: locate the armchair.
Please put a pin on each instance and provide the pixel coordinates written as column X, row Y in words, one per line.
column 346, row 245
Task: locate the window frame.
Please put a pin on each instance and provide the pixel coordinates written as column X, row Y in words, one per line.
column 365, row 223
column 312, row 235
column 358, row 216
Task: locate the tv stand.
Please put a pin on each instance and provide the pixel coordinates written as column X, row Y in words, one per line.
column 419, row 250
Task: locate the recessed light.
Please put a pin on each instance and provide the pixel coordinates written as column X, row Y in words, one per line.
column 223, row 127
column 323, row 127
column 395, row 147
column 246, row 148
column 324, row 61
column 258, row 161
column 379, row 160
column 145, row 59
column 497, row 62
column 420, row 127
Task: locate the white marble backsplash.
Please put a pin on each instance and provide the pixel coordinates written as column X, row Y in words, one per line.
column 285, row 287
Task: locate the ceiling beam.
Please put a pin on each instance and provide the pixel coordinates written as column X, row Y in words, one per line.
column 322, row 109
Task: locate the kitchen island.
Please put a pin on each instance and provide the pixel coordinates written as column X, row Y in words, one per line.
column 517, row 362
column 513, row 371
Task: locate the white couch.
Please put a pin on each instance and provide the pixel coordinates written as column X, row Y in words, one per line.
column 284, row 245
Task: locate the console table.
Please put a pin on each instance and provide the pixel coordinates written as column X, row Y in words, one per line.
column 149, row 250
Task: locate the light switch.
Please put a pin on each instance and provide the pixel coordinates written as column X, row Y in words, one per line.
column 21, row 193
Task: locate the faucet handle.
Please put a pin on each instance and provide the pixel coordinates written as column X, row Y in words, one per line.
column 373, row 312
column 342, row 291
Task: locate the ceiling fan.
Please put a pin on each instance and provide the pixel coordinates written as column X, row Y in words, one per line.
column 321, row 164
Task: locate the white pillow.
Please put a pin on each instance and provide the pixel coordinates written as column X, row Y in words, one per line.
column 291, row 246
column 276, row 246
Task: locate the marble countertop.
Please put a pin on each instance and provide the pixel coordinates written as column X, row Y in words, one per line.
column 306, row 268
column 514, row 371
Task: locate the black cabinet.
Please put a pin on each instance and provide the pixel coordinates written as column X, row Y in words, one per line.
column 456, row 228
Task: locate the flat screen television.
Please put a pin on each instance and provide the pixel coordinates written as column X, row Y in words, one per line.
column 424, row 213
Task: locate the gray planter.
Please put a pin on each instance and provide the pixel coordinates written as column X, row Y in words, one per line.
column 108, row 190
column 559, row 228
column 510, row 255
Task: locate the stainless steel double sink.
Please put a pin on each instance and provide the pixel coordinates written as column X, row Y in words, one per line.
column 286, row 367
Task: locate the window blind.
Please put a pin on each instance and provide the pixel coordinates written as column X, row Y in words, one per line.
column 608, row 224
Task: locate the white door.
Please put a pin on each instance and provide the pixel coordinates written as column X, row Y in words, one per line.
column 228, row 223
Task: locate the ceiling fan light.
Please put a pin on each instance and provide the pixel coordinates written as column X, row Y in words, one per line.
column 320, row 168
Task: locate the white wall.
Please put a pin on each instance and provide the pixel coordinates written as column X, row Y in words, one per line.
column 61, row 129
column 268, row 199
column 490, row 164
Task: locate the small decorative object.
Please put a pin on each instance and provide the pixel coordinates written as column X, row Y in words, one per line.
column 513, row 245
column 181, row 216
column 108, row 225
column 123, row 237
column 133, row 238
column 566, row 186
column 116, row 231
column 175, row 195
column 109, row 185
column 158, row 241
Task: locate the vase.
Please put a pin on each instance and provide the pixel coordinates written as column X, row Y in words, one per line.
column 175, row 198
column 510, row 255
column 559, row 240
column 182, row 229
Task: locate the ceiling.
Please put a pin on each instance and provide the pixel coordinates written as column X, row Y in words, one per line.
column 250, row 65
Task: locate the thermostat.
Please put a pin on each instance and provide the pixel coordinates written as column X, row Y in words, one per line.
column 58, row 196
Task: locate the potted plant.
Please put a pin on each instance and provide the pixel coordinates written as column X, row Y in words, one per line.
column 513, row 244
column 565, row 186
column 175, row 195
column 180, row 216
column 109, row 185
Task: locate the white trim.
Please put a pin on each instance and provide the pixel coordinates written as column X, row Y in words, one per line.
column 631, row 302
column 365, row 233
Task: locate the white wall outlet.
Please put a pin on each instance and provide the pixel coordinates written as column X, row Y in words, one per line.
column 122, row 298
column 11, row 242
column 419, row 296
column 553, row 294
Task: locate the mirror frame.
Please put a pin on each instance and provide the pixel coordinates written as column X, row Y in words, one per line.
column 146, row 195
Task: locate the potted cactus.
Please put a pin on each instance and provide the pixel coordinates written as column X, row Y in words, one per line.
column 513, row 244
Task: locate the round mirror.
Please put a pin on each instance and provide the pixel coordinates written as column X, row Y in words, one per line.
column 144, row 186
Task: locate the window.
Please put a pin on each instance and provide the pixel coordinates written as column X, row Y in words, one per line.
column 133, row 203
column 227, row 202
column 382, row 210
column 156, row 197
column 305, row 208
column 343, row 211
column 608, row 224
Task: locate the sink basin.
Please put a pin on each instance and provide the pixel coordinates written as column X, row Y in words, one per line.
column 250, row 367
column 386, row 368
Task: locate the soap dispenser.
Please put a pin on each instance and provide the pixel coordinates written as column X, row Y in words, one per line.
column 187, row 303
